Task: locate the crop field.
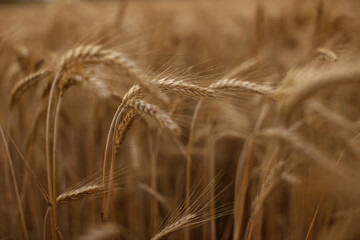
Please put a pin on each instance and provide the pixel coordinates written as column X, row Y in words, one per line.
column 169, row 119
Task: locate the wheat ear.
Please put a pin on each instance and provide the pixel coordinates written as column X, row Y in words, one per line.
column 173, row 86
column 79, row 193
column 244, row 85
column 95, row 54
column 183, row 88
column 154, row 112
column 123, row 126
column 177, row 225
column 21, row 86
column 197, row 213
column 327, row 54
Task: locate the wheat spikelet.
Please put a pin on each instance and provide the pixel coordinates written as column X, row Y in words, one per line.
column 21, row 86
column 180, row 87
column 87, row 53
column 79, row 193
column 327, row 54
column 154, row 112
column 118, row 59
column 70, row 81
column 93, row 83
column 75, row 74
column 244, row 85
column 133, row 92
column 71, row 75
column 123, row 127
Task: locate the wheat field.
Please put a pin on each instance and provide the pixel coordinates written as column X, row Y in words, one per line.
column 180, row 120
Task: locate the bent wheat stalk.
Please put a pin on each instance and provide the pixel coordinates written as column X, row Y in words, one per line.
column 297, row 94
column 132, row 108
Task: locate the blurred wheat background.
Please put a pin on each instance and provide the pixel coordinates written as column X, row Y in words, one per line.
column 180, row 120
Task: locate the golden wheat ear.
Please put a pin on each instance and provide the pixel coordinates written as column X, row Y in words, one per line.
column 24, row 84
column 173, row 86
column 153, row 111
column 197, row 213
column 326, row 54
column 124, row 125
column 98, row 55
column 92, row 187
column 234, row 84
column 184, row 88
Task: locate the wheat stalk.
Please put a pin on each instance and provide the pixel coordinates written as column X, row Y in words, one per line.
column 308, row 82
column 16, row 189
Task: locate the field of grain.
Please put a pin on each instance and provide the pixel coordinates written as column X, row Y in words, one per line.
column 180, row 120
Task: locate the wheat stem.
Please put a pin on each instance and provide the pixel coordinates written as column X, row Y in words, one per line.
column 12, row 171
